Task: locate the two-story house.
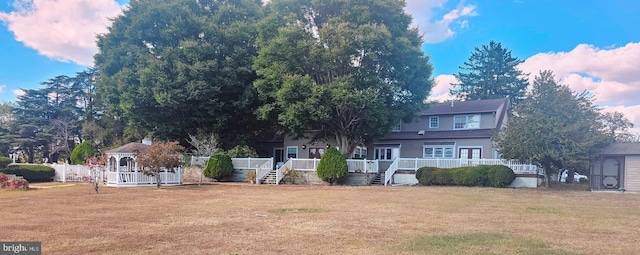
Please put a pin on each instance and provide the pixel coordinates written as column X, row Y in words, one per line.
column 448, row 130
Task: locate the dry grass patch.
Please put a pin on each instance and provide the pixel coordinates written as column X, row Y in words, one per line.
column 262, row 219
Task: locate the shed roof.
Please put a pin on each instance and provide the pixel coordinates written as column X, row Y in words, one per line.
column 129, row 148
column 472, row 106
column 621, row 149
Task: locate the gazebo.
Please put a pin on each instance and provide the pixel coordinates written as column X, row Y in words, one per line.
column 123, row 170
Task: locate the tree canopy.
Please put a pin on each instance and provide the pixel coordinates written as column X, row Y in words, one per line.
column 553, row 127
column 179, row 67
column 349, row 70
column 490, row 72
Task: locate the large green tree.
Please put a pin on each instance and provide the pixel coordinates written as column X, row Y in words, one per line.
column 348, row 70
column 178, row 67
column 490, row 72
column 554, row 128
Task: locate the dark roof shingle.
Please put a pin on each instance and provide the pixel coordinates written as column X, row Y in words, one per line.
column 458, row 107
column 129, row 148
column 621, row 149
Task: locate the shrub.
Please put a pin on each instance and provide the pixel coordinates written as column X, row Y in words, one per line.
column 242, row 151
column 219, row 166
column 495, row 176
column 290, row 175
column 332, row 166
column 3, row 180
column 32, row 173
column 251, row 176
column 500, row 176
column 17, row 184
column 425, row 175
column 81, row 152
column 5, row 161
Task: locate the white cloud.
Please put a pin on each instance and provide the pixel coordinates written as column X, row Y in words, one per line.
column 64, row 30
column 2, row 87
column 612, row 74
column 18, row 92
column 440, row 90
column 439, row 28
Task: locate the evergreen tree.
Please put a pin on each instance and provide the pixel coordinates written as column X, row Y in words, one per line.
column 490, row 72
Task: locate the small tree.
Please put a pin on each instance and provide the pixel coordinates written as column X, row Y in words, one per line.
column 82, row 152
column 97, row 167
column 204, row 146
column 332, row 166
column 158, row 157
column 242, row 151
column 219, row 166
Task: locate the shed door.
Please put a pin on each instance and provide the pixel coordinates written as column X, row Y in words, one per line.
column 611, row 173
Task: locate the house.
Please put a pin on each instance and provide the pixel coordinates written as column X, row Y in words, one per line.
column 447, row 135
column 616, row 167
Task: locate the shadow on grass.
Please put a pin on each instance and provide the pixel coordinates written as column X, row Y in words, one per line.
column 477, row 243
column 296, row 210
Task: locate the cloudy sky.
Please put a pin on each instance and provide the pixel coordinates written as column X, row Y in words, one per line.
column 589, row 45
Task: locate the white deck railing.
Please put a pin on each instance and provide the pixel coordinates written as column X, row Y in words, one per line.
column 263, row 170
column 141, row 179
column 390, row 172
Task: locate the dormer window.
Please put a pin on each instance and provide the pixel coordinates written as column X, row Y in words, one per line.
column 466, row 122
column 434, row 122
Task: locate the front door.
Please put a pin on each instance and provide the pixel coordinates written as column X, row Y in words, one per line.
column 278, row 157
column 470, row 153
column 316, row 152
column 611, row 173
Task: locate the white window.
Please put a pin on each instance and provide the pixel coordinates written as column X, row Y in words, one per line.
column 466, row 121
column 386, row 153
column 360, row 153
column 434, row 122
column 397, row 127
column 438, row 151
column 292, row 151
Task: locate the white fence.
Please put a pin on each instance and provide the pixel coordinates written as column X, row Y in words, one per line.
column 124, row 179
column 70, row 173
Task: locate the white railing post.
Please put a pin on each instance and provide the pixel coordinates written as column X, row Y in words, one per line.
column 64, row 173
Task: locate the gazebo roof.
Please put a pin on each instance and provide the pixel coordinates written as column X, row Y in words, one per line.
column 132, row 148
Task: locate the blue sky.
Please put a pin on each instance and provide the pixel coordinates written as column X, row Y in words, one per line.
column 590, row 45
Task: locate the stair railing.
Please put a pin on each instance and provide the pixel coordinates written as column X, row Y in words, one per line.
column 263, row 170
column 280, row 170
column 390, row 171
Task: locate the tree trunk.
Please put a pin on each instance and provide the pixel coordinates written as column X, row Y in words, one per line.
column 346, row 145
column 158, row 179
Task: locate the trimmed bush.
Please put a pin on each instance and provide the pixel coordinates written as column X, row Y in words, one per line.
column 332, row 166
column 5, row 161
column 219, row 166
column 32, row 173
column 494, row 176
column 501, row 176
column 242, row 151
column 81, row 152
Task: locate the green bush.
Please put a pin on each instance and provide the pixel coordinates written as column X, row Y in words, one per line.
column 425, row 175
column 81, row 152
column 242, row 151
column 32, row 173
column 219, row 166
column 500, row 176
column 494, row 176
column 5, row 161
column 332, row 166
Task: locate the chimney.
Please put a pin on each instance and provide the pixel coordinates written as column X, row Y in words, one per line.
column 452, row 103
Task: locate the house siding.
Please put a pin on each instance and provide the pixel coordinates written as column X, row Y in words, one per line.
column 487, row 120
column 632, row 173
column 414, row 148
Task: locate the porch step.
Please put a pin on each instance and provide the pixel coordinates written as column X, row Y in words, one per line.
column 379, row 180
column 270, row 178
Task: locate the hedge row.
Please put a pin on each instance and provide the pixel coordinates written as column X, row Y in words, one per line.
column 483, row 175
column 32, row 173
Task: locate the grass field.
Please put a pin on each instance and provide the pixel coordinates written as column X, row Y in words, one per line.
column 252, row 219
